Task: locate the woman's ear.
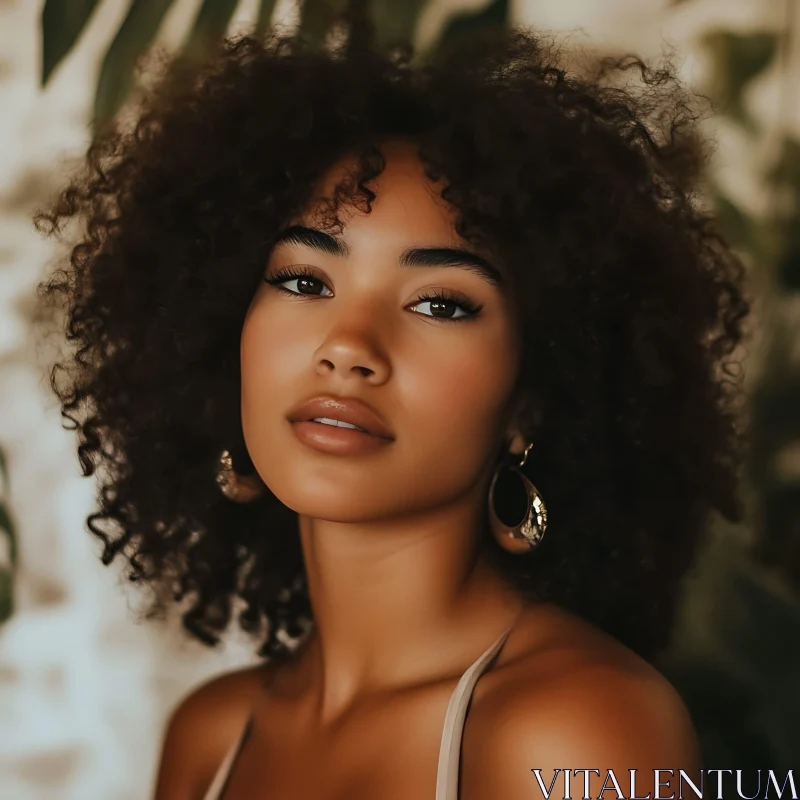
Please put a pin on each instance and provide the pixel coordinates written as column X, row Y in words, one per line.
column 517, row 445
column 522, row 415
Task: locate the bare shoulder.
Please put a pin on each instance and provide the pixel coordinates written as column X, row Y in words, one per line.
column 202, row 727
column 570, row 697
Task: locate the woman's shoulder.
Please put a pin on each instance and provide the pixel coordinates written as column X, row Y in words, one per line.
column 203, row 726
column 567, row 695
column 552, row 647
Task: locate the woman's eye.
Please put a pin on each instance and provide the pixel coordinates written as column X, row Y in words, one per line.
column 307, row 284
column 444, row 306
column 441, row 308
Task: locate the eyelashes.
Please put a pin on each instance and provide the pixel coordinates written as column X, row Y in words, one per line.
column 439, row 298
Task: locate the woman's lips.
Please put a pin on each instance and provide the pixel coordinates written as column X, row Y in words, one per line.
column 337, row 440
column 345, row 409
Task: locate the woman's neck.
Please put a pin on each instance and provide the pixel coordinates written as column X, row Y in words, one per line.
column 395, row 605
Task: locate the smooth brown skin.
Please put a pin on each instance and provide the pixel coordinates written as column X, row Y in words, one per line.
column 402, row 605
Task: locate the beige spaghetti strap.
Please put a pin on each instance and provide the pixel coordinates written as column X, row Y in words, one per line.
column 450, row 750
column 214, row 791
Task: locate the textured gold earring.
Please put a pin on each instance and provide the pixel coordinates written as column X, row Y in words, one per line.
column 518, row 525
column 239, row 488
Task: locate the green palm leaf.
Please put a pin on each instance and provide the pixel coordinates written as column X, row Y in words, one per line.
column 136, row 34
column 396, row 22
column 738, row 58
column 265, row 9
column 62, row 23
column 463, row 24
column 209, row 27
column 6, row 595
column 7, row 572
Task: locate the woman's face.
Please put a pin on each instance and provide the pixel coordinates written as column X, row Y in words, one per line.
column 439, row 376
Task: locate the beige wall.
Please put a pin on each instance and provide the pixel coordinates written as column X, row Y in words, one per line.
column 83, row 690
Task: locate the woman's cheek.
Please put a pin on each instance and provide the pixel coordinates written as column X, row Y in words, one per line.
column 459, row 392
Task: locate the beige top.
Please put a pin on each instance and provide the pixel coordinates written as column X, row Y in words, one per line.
column 449, row 752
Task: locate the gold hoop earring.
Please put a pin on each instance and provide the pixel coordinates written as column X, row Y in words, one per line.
column 239, row 488
column 521, row 526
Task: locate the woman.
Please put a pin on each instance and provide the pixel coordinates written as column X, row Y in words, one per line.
column 413, row 370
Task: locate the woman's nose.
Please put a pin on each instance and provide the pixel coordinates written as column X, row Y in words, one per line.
column 356, row 344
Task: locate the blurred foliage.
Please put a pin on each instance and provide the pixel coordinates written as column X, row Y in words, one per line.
column 785, row 179
column 135, row 35
column 464, row 23
column 62, row 24
column 8, row 538
column 735, row 657
column 63, row 21
column 735, row 660
column 737, row 59
column 396, row 22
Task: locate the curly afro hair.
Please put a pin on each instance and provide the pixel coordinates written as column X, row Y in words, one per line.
column 585, row 183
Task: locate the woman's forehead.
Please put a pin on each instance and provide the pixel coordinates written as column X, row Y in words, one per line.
column 404, row 198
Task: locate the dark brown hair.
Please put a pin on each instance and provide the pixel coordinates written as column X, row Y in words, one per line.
column 631, row 302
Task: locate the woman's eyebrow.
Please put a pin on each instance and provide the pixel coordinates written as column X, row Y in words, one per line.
column 452, row 257
column 412, row 257
column 311, row 237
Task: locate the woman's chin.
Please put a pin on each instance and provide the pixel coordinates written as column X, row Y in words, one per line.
column 334, row 512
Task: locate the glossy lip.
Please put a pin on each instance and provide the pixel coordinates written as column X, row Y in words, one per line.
column 343, row 409
column 335, row 440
